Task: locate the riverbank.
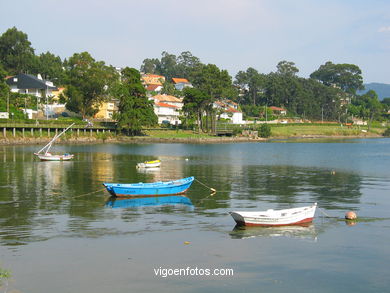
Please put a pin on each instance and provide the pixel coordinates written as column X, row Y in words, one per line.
column 187, row 136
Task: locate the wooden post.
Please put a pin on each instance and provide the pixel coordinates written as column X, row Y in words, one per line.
column 5, row 132
column 14, row 131
column 78, row 131
column 23, row 132
column 32, row 131
column 90, row 132
column 40, row 132
column 48, row 132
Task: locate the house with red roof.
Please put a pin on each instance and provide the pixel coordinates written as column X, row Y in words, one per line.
column 278, row 110
column 181, row 83
column 167, row 108
column 148, row 79
column 228, row 110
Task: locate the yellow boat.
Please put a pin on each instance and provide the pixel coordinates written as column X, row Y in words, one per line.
column 149, row 164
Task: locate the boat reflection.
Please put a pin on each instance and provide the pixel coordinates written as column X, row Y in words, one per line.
column 149, row 170
column 307, row 232
column 173, row 200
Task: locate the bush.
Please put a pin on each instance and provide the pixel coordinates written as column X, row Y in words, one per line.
column 387, row 132
column 264, row 130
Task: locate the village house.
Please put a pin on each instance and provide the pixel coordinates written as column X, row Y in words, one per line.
column 167, row 108
column 278, row 111
column 181, row 83
column 152, row 79
column 229, row 110
column 33, row 85
column 106, row 110
column 30, row 84
column 154, row 88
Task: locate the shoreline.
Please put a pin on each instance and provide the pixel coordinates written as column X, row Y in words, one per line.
column 203, row 140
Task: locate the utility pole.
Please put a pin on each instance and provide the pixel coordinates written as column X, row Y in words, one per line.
column 47, row 101
column 322, row 114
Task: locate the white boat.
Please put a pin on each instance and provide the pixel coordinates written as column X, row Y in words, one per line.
column 272, row 217
column 149, row 164
column 44, row 155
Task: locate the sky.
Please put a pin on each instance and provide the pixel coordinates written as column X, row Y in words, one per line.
column 233, row 34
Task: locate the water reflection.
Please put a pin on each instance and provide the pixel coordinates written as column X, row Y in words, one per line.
column 41, row 197
column 174, row 200
column 307, row 232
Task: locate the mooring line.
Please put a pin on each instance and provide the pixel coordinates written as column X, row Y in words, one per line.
column 88, row 193
column 324, row 213
column 212, row 189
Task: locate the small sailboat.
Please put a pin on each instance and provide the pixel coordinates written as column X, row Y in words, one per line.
column 44, row 155
column 149, row 164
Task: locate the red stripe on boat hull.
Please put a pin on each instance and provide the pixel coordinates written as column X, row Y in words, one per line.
column 304, row 221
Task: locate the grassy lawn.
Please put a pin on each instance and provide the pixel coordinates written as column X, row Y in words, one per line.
column 328, row 130
column 175, row 134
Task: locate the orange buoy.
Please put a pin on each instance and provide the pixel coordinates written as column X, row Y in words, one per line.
column 350, row 215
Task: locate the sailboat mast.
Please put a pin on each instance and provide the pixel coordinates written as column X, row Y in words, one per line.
column 48, row 146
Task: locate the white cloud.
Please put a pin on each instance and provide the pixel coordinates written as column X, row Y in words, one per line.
column 384, row 29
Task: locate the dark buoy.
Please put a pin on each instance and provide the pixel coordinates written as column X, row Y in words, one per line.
column 350, row 215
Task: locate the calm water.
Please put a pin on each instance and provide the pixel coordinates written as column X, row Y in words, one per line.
column 60, row 232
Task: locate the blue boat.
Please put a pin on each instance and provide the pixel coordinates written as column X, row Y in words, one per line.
column 150, row 189
column 135, row 202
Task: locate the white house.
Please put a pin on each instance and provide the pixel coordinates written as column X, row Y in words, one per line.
column 167, row 108
column 4, row 115
column 229, row 110
column 31, row 84
column 181, row 83
column 167, row 113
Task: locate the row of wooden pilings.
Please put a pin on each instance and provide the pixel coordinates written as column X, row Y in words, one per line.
column 55, row 131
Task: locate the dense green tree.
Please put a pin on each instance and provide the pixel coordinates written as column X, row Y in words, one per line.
column 287, row 68
column 4, row 91
column 51, row 67
column 251, row 84
column 214, row 82
column 87, row 82
column 195, row 102
column 171, row 65
column 16, row 53
column 366, row 106
column 348, row 77
column 186, row 62
column 135, row 110
column 386, row 103
column 150, row 66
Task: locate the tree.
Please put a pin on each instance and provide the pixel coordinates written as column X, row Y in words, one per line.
column 4, row 91
column 135, row 110
column 186, row 62
column 251, row 82
column 87, row 82
column 345, row 76
column 171, row 66
column 150, row 66
column 287, row 68
column 214, row 82
column 51, row 67
column 195, row 102
column 16, row 53
column 366, row 106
